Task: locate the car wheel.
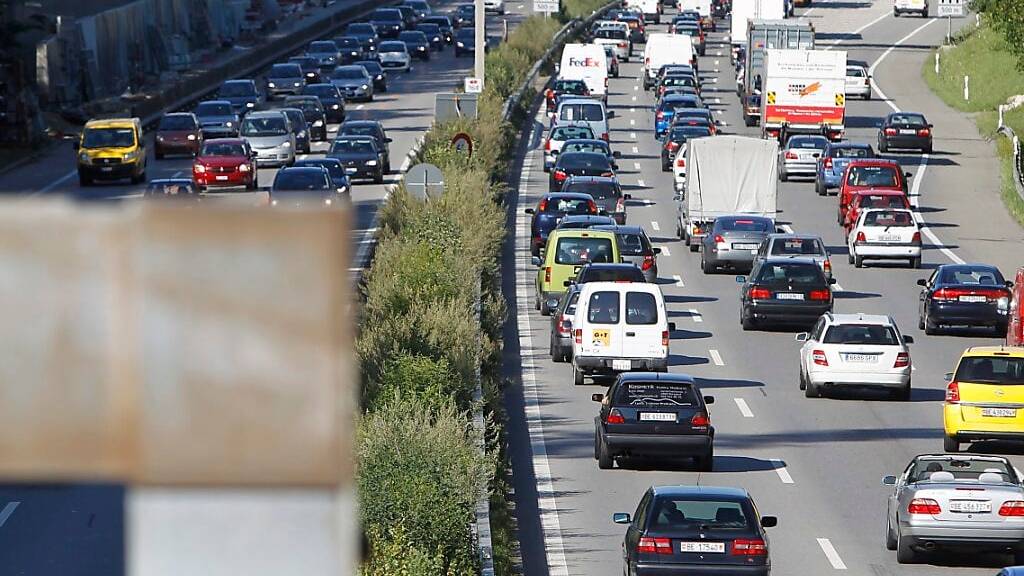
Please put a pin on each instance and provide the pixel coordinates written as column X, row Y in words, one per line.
column 139, row 178
column 915, row 262
column 920, row 322
column 158, row 155
column 927, row 149
column 84, row 181
column 665, row 167
column 551, row 348
column 747, row 322
column 803, row 383
column 868, row 95
column 253, row 184
column 849, row 257
column 387, row 166
column 903, row 394
column 883, row 145
column 706, row 462
column 536, row 303
column 577, row 375
column 895, row 13
column 858, row 261
column 694, row 247
column 378, row 178
column 1018, row 556
column 782, row 175
column 890, row 537
column 604, row 458
column 904, row 553
column 950, row 444
column 930, row 328
column 819, row 187
column 811, row 389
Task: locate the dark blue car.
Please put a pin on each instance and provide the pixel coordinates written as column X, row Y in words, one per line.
column 666, row 109
column 551, row 209
column 833, row 161
column 969, row 295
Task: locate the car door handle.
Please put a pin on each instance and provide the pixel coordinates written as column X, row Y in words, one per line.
column 630, row 333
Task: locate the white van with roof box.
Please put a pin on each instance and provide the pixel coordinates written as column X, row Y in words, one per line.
column 584, row 111
column 662, row 49
column 619, row 327
column 586, row 62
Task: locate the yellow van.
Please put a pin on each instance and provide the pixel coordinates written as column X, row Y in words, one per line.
column 111, row 149
column 566, row 252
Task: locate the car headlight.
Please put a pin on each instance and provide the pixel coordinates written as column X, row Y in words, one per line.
column 130, row 156
column 460, row 44
column 371, row 162
column 318, row 123
column 1003, row 304
column 421, row 48
column 380, row 77
column 250, row 104
column 286, row 145
column 243, row 167
column 302, row 133
column 273, row 202
column 228, row 124
column 364, row 87
column 271, row 85
column 159, row 138
column 190, row 137
column 297, row 84
column 334, row 106
column 85, row 158
column 328, row 201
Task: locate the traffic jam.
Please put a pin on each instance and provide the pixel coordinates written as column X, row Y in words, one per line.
column 704, row 173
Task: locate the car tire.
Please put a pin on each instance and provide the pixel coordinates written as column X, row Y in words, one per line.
column 890, row 538
column 378, row 178
column 883, row 145
column 915, row 262
column 139, row 178
column 930, row 328
column 903, row 394
column 536, row 303
column 849, row 257
column 84, row 181
column 858, row 261
column 544, row 310
column 748, row 323
column 704, row 266
column 706, row 462
column 920, row 322
column 783, row 177
column 551, row 348
column 253, row 184
column 158, row 155
column 868, row 95
column 819, row 187
column 803, row 383
column 387, row 166
column 927, row 149
column 950, row 444
column 605, row 461
column 665, row 167
column 577, row 375
column 904, row 553
column 895, row 13
column 811, row 389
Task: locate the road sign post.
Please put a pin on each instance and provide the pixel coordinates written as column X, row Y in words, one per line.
column 424, row 181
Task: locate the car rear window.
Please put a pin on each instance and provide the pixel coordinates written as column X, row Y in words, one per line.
column 630, row 273
column 611, row 33
column 849, row 153
column 641, row 308
column 874, row 334
column 886, row 201
column 565, row 206
column 977, row 276
column 633, row 244
column 577, row 251
column 655, row 394
column 797, row 247
column 855, row 72
column 570, row 132
column 908, row 119
column 603, row 308
column 742, row 225
column 791, row 274
column 874, row 176
column 717, row 515
column 962, row 469
column 584, row 160
column 898, row 218
column 591, row 146
column 1004, row 370
column 584, row 112
column 597, row 190
column 807, row 143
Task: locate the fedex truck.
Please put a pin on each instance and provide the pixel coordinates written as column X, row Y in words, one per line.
column 804, row 93
column 586, row 62
column 745, row 10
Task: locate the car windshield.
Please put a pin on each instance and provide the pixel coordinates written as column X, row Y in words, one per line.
column 264, row 126
column 284, row 71
column 797, row 247
column 304, row 62
column 570, row 132
column 611, row 33
column 360, row 29
column 322, row 90
column 888, row 218
column 235, row 89
column 839, row 152
column 223, row 149
column 323, row 47
column 465, row 34
column 586, row 112
column 413, row 37
column 807, row 143
column 960, row 468
column 597, row 190
column 335, row 169
column 352, row 146
column 392, row 47
column 584, row 160
column 610, row 274
column 711, row 514
column 108, row 138
column 971, row 275
column 387, row 15
column 301, row 180
column 742, row 225
column 370, row 67
column 907, row 119
column 358, row 130
column 570, row 87
column 347, row 42
column 874, row 334
column 349, row 73
column 655, row 394
column 309, row 106
column 791, row 274
column 213, row 109
column 296, row 117
column 873, row 176
column 580, row 250
column 1005, row 370
column 177, row 122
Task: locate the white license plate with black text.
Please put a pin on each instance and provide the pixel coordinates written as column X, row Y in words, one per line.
column 621, row 364
column 789, row 296
column 972, row 298
column 712, row 547
column 909, row 132
column 657, row 417
column 222, row 178
column 862, row 358
column 889, row 238
column 970, row 506
column 744, row 246
column 999, row 412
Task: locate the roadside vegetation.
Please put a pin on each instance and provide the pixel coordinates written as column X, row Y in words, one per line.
column 420, row 343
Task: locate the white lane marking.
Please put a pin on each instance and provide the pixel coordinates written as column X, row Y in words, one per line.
column 632, row 122
column 5, row 514
column 641, row 183
column 744, row 409
column 55, row 183
column 665, row 251
column 655, row 226
column 647, row 202
column 636, row 165
column 786, row 228
column 632, row 135
column 871, row 69
column 716, row 357
column 695, row 315
column 716, row 64
column 859, row 30
column 637, row 88
column 838, row 287
column 831, row 554
column 632, row 110
column 679, row 280
column 780, row 469
column 634, row 98
column 636, row 150
column 361, row 106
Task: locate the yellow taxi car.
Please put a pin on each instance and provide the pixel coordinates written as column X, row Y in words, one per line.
column 111, row 149
column 566, row 252
column 985, row 396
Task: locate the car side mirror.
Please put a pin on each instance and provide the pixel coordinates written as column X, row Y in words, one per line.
column 803, row 336
column 616, row 154
column 530, row 211
column 627, row 196
column 769, row 521
column 709, row 399
column 908, row 175
column 948, row 376
column 1009, row 283
column 387, row 139
column 671, row 326
column 908, row 339
column 889, row 480
column 677, row 197
column 741, row 279
column 621, row 518
column 597, row 397
column 535, row 261
column 567, row 283
column 922, row 282
column 931, row 125
column 553, row 304
column 657, row 250
column 611, row 113
column 831, row 281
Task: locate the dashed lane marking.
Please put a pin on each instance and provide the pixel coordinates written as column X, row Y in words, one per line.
column 665, row 251
column 780, row 469
column 655, row 226
column 716, row 357
column 830, row 553
column 744, row 409
column 642, row 184
column 679, row 280
column 695, row 315
column 5, row 514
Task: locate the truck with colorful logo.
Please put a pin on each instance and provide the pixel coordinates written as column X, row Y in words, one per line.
column 804, row 92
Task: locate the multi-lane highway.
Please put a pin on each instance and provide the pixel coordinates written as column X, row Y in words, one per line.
column 815, row 463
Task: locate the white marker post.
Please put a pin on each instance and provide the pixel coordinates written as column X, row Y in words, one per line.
column 967, row 87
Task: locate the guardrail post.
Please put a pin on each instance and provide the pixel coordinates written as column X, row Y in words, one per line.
column 936, row 62
column 1000, row 109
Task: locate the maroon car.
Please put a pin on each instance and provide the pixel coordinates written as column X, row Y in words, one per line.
column 225, row 162
column 178, row 133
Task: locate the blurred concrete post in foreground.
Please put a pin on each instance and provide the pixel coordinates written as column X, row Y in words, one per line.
column 201, row 357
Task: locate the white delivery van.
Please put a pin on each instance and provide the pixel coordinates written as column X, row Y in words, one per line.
column 903, row 6
column 574, row 111
column 586, row 62
column 662, row 49
column 703, row 7
column 651, row 9
column 619, row 327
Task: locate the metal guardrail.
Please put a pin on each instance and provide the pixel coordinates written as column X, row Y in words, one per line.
column 1018, row 162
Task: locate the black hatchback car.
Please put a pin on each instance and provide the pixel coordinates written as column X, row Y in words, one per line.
column 579, row 164
column 445, row 25
column 784, row 290
column 970, row 295
column 417, row 43
column 905, row 130
column 653, row 414
column 376, row 72
column 388, row 22
column 331, row 99
column 434, row 35
column 605, row 190
column 366, row 33
column 607, row 272
column 373, row 129
column 697, row 530
column 350, row 49
column 360, row 156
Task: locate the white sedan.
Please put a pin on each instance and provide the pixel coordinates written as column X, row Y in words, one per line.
column 885, row 234
column 855, row 351
column 394, row 55
column 494, row 6
column 858, row 82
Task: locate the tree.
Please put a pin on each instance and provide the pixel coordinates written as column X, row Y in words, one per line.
column 1008, row 17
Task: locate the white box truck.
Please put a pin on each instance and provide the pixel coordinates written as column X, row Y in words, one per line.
column 804, row 93
column 651, row 9
column 586, row 62
column 726, row 175
column 662, row 49
column 745, row 10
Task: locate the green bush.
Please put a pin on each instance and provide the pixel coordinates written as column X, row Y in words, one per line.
column 395, row 554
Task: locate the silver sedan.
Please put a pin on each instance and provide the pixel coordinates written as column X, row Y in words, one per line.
column 800, row 156
column 733, row 242
column 955, row 501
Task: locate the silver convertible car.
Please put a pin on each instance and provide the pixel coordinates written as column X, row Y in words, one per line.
column 955, row 501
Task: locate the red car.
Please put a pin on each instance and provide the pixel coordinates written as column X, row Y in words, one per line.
column 873, row 199
column 869, row 174
column 178, row 133
column 225, row 162
column 1015, row 325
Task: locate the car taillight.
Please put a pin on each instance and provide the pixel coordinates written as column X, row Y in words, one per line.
column 820, row 294
column 719, row 239
column 604, row 136
column 622, row 44
column 564, row 326
column 607, row 174
column 592, row 206
column 924, row 506
column 700, row 420
column 953, row 294
column 547, row 274
column 550, row 94
column 790, row 155
column 953, row 392
column 671, row 146
column 760, row 294
column 578, row 336
column 924, row 132
column 615, row 417
column 620, row 206
column 559, row 175
column 861, row 237
column 890, row 131
column 754, row 547
column 664, row 337
column 917, row 238
column 902, row 360
column 828, row 163
column 827, row 265
column 681, row 162
column 647, row 61
column 648, row 263
column 547, row 145
column 660, row 115
column 819, row 357
column 654, row 546
column 1012, row 508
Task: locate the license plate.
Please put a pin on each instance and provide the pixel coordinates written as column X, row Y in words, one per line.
column 905, row 131
column 657, row 416
column 716, row 547
column 889, row 238
column 970, row 506
column 107, row 168
column 744, row 246
column 970, row 298
column 222, row 178
column 862, row 358
column 621, row 364
column 999, row 412
column 789, row 296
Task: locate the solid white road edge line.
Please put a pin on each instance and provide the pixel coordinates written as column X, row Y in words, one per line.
column 780, row 469
column 665, row 251
column 831, row 554
column 744, row 409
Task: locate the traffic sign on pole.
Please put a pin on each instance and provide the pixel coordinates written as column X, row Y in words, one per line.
column 546, row 6
column 951, row 9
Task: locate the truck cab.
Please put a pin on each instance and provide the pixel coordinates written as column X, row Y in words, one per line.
column 111, row 149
